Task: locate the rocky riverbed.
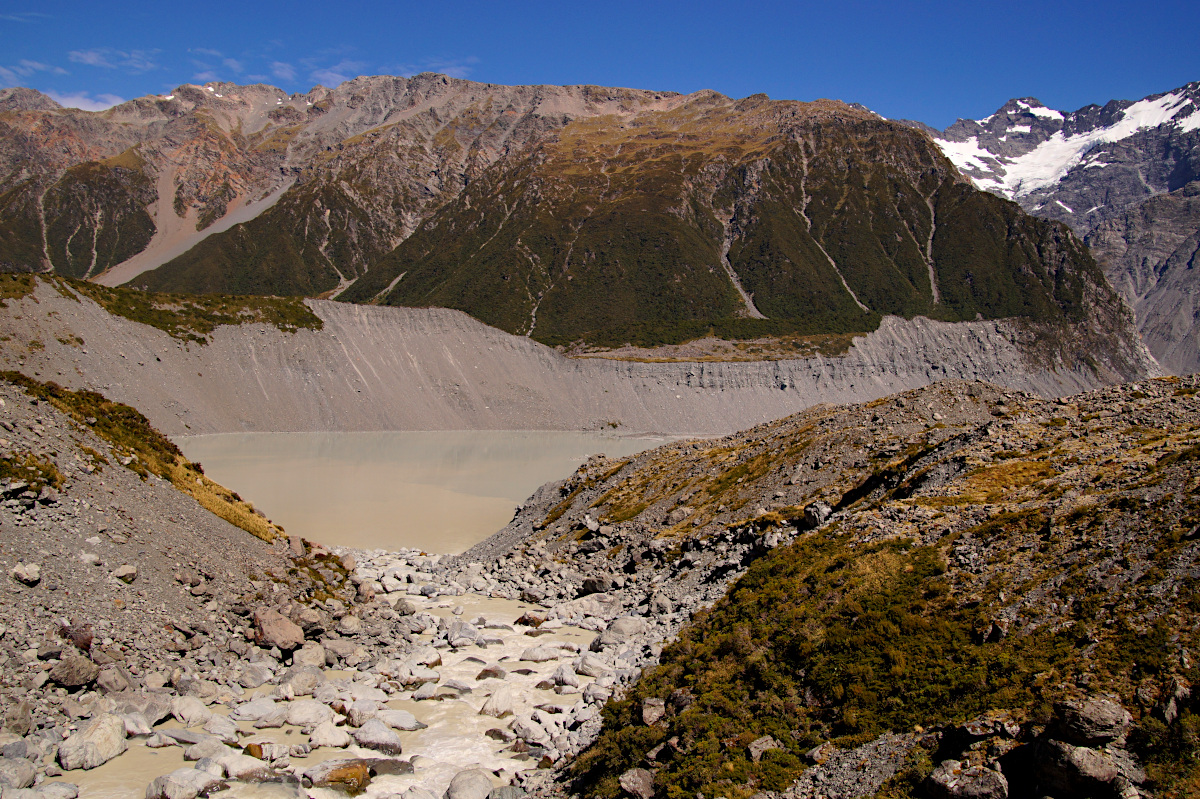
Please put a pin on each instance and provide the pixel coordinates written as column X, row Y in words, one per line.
column 152, row 649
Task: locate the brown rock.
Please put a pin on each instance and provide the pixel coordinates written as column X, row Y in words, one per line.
column 79, row 634
column 273, row 629
column 19, row 718
column 350, row 775
column 531, row 619
column 74, row 671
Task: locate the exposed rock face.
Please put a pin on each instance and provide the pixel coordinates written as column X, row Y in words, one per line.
column 1118, row 175
column 390, row 151
column 1082, row 167
column 1150, row 253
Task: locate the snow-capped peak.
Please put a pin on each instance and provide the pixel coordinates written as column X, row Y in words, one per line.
column 1051, row 159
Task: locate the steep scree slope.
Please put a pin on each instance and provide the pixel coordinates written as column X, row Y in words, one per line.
column 335, row 366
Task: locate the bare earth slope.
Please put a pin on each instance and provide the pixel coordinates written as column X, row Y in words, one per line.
column 375, row 368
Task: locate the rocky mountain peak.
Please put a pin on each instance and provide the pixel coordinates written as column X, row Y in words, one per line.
column 22, row 99
column 1117, row 174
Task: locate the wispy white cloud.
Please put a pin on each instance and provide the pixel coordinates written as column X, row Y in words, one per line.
column 108, row 58
column 83, row 101
column 205, row 76
column 206, row 51
column 340, row 72
column 23, row 16
column 233, row 65
column 283, row 71
column 20, row 72
column 453, row 67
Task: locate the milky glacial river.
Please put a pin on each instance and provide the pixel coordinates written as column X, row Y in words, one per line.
column 437, row 491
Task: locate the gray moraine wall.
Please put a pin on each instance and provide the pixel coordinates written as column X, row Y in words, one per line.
column 377, row 368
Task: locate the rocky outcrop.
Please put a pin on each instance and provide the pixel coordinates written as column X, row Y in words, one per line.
column 1150, row 253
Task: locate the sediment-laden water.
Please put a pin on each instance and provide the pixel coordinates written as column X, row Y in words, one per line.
column 436, row 491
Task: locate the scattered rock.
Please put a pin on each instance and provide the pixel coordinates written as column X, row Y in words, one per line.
column 951, row 780
column 183, row 783
column 350, row 775
column 760, row 746
column 475, row 783
column 501, row 703
column 654, row 709
column 16, row 772
column 74, row 671
column 329, row 734
column 28, row 573
column 638, row 782
column 378, row 736
column 273, row 629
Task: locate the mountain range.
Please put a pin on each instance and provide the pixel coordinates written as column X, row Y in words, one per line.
column 597, row 216
column 1123, row 176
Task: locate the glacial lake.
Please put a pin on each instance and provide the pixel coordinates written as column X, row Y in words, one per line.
column 436, row 491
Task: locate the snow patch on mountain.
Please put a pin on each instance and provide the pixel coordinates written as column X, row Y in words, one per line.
column 1048, row 162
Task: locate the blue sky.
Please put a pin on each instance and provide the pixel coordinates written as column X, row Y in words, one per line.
column 928, row 61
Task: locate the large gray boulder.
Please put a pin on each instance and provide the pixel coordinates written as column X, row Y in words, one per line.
column 329, row 734
column 16, row 772
column 1075, row 770
column 308, row 713
column 619, row 631
column 182, row 783
column 638, row 782
column 474, row 783
column 417, row 792
column 501, row 703
column 400, row 720
column 1090, row 722
column 190, row 711
column 98, row 742
column 378, row 736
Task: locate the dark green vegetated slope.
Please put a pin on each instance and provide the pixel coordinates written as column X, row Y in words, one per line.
column 614, row 232
column 20, row 229
column 96, row 215
column 95, row 218
column 262, row 256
